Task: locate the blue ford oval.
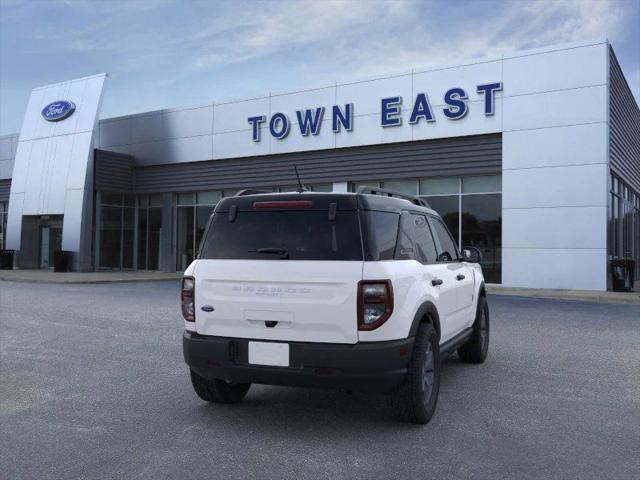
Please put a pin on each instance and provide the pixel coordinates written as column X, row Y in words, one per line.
column 58, row 110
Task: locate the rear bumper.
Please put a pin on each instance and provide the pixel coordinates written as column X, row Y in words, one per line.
column 368, row 367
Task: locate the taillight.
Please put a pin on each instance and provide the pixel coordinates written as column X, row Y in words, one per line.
column 375, row 303
column 187, row 298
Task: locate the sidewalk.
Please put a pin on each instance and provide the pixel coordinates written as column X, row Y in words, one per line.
column 582, row 295
column 49, row 276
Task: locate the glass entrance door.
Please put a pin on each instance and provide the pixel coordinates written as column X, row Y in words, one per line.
column 50, row 241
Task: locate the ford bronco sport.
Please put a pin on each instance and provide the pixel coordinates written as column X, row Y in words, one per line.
column 358, row 291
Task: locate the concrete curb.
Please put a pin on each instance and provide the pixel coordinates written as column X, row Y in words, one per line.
column 629, row 298
column 78, row 278
column 86, row 282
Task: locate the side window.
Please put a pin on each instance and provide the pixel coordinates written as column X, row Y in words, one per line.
column 448, row 251
column 424, row 244
column 381, row 231
column 405, row 249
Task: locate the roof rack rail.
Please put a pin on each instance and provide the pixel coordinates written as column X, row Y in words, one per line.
column 250, row 191
column 390, row 193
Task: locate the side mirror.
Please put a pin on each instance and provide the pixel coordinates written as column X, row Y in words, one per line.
column 471, row 255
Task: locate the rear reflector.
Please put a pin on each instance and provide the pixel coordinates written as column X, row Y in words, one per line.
column 284, row 204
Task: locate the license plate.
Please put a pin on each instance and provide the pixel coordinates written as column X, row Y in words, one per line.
column 269, row 353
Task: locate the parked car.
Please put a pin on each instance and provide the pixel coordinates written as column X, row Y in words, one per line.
column 358, row 291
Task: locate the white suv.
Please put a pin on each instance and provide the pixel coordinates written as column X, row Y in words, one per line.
column 358, row 291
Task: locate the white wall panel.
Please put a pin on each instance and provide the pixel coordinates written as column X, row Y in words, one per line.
column 572, row 186
column 289, row 103
column 366, row 96
column 115, row 132
column 231, row 117
column 32, row 115
column 77, row 162
column 295, row 142
column 146, row 128
column 563, row 69
column 435, row 83
column 14, row 219
column 58, row 173
column 72, row 221
column 555, row 109
column 187, row 149
column 35, row 175
column 573, row 145
column 229, row 144
column 559, row 227
column 475, row 122
column 189, row 122
column 574, row 269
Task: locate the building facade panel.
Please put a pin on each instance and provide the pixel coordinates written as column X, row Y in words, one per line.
column 556, row 70
column 571, row 269
column 572, row 228
column 551, row 147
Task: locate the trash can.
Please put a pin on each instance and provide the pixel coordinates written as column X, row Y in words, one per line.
column 6, row 259
column 62, row 261
column 623, row 273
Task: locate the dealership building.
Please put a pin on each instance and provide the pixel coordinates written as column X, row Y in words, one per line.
column 533, row 157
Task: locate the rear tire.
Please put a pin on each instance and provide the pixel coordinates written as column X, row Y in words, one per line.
column 218, row 391
column 475, row 349
column 415, row 400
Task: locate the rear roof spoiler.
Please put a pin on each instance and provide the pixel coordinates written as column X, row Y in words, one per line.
column 250, row 191
column 390, row 193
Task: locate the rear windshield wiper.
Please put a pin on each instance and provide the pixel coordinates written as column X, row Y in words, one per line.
column 283, row 252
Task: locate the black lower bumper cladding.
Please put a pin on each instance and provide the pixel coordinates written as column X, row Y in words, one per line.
column 366, row 366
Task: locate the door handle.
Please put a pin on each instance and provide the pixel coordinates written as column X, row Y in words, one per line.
column 460, row 277
column 436, row 281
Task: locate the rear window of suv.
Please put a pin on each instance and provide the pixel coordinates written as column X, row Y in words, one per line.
column 284, row 235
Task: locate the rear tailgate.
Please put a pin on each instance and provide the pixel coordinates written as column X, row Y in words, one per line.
column 281, row 267
column 289, row 300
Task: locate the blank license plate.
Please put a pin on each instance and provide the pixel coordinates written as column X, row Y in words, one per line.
column 268, row 353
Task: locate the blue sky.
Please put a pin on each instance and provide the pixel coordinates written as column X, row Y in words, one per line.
column 162, row 53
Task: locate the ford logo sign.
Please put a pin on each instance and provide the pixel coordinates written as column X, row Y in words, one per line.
column 56, row 111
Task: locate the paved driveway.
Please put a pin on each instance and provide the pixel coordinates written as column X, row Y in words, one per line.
column 92, row 385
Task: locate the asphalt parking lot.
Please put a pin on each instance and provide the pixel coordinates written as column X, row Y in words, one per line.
column 93, row 386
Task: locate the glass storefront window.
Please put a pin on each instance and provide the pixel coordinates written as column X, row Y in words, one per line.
column 482, row 228
column 128, row 239
column 449, row 209
column 193, row 212
column 482, row 184
column 208, row 198
column 185, row 237
column 473, row 214
column 149, row 230
column 116, row 230
column 439, row 186
column 110, row 236
column 409, row 187
column 624, row 234
column 3, row 223
column 186, row 198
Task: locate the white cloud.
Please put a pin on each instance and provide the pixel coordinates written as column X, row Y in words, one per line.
column 289, row 25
